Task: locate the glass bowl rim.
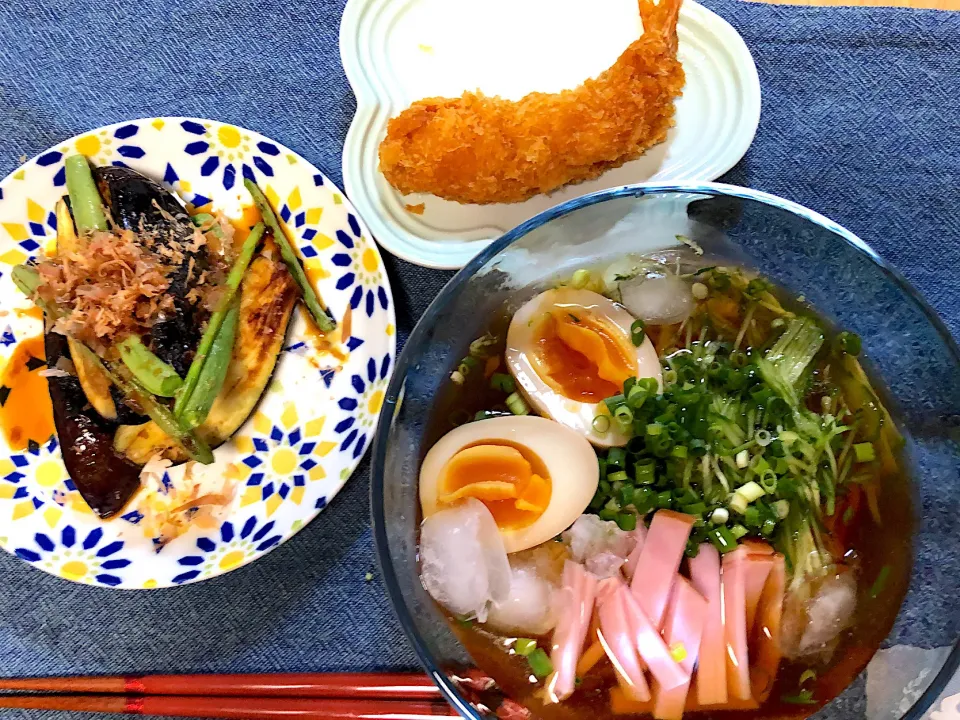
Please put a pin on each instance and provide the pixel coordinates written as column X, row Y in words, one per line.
column 395, row 387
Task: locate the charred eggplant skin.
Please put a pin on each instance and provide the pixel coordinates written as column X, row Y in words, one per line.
column 136, row 203
column 104, row 478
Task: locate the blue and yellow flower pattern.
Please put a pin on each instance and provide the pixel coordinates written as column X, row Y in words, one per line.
column 310, row 430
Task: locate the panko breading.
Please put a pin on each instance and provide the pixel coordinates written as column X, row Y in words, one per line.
column 478, row 149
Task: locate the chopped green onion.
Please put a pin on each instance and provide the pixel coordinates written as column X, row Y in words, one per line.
column 580, row 279
column 648, row 385
column 608, row 514
column 502, row 382
column 698, row 508
column 752, row 517
column 644, row 472
column 807, row 674
column 619, row 476
column 636, row 396
column 763, row 438
column 782, row 508
column 601, row 424
column 849, row 343
column 679, row 451
column 738, row 531
column 654, row 429
column 864, row 452
column 744, row 495
column 768, row 527
column 624, row 416
column 756, row 287
column 614, row 402
column 524, row 646
column 768, row 481
column 722, row 539
column 540, row 664
column 637, row 332
column 517, row 405
column 804, row 697
column 616, row 457
column 627, row 521
column 644, row 500
column 720, row 516
column 880, row 583
column 664, row 499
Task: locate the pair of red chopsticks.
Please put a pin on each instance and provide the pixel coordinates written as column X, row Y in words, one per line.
column 304, row 696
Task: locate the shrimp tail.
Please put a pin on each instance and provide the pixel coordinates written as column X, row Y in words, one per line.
column 661, row 19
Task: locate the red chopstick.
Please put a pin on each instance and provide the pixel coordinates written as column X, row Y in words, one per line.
column 235, row 708
column 382, row 686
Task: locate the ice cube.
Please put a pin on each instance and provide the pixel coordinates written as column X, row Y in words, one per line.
column 463, row 563
column 658, row 301
column 528, row 609
column 829, row 612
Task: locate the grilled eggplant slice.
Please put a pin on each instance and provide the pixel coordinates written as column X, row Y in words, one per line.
column 105, row 479
column 267, row 297
column 139, row 204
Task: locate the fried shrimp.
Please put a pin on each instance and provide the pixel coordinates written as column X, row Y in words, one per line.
column 479, row 149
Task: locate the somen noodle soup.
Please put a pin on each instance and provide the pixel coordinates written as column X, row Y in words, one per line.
column 661, row 487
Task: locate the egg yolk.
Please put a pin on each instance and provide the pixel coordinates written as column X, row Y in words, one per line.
column 580, row 356
column 500, row 477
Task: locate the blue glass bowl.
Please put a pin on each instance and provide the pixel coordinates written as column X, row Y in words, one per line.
column 906, row 343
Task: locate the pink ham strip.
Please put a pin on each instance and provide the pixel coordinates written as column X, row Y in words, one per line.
column 659, row 561
column 733, row 590
column 653, row 650
column 712, row 669
column 616, row 636
column 766, row 639
column 758, row 568
column 630, row 566
column 578, row 593
column 682, row 629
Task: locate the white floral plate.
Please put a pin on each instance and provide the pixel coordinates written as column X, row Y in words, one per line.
column 313, row 424
column 397, row 51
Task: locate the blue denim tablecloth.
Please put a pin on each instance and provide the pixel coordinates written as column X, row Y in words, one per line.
column 861, row 121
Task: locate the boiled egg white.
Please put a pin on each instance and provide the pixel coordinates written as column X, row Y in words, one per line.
column 535, row 476
column 569, row 350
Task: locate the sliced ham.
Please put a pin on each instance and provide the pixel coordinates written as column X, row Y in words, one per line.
column 765, row 647
column 639, row 536
column 683, row 628
column 711, row 679
column 659, row 561
column 733, row 590
column 620, row 704
column 653, row 650
column 616, row 636
column 758, row 568
column 576, row 609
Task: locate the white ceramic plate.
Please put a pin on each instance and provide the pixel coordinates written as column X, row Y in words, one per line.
column 398, row 51
column 312, row 425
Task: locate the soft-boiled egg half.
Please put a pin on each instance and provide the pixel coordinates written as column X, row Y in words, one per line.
column 535, row 476
column 569, row 350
